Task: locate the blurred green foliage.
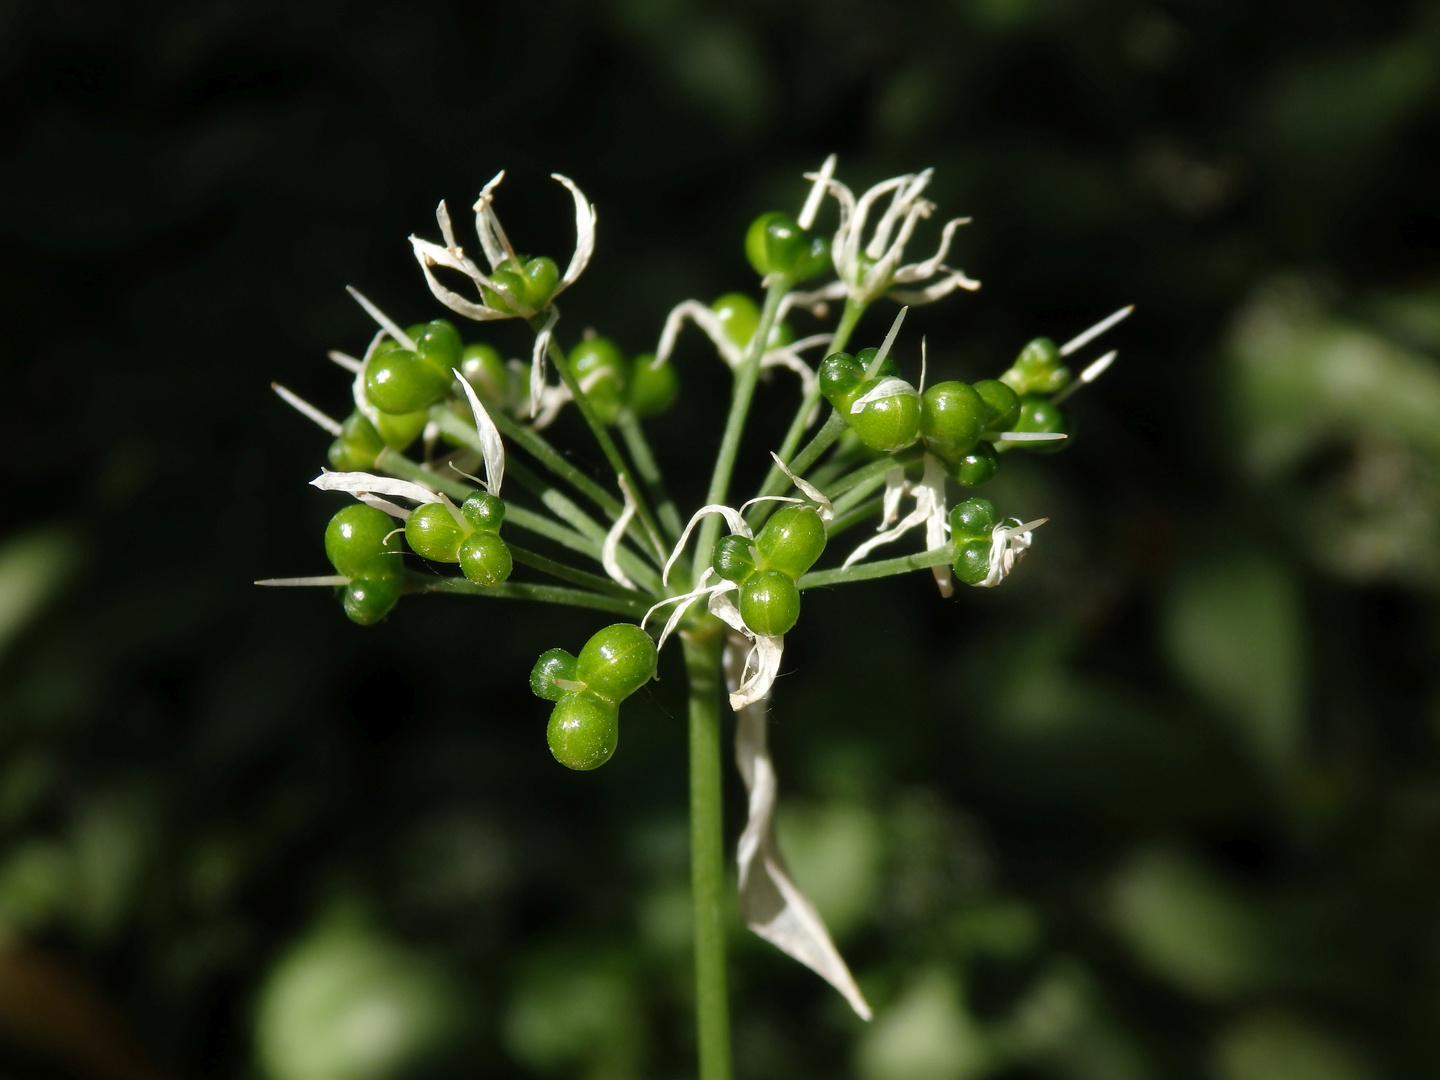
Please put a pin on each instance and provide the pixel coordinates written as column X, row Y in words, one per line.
column 1165, row 805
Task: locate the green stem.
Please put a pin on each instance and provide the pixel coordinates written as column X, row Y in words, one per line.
column 707, row 854
column 574, row 575
column 872, row 469
column 639, row 447
column 549, row 594
column 775, row 480
column 740, row 398
column 537, row 445
column 866, row 571
column 607, row 445
column 851, row 518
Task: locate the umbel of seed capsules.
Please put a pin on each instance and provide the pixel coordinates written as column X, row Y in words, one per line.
column 584, row 726
column 768, row 567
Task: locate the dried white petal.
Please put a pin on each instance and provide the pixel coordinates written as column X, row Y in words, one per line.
column 887, row 387
column 1086, row 377
column 706, row 319
column 345, row 360
column 304, row 408
column 428, row 255
column 302, row 582
column 884, row 350
column 610, row 550
column 1079, row 341
column 537, row 360
column 363, row 483
column 585, row 218
column 770, row 903
column 1007, row 544
column 817, row 193
column 809, row 490
column 931, row 266
column 492, row 447
column 380, row 317
column 487, row 224
column 953, row 280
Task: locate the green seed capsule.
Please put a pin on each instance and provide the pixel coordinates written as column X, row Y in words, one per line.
column 1037, row 370
column 886, row 423
column 775, row 243
column 973, row 519
column 1002, row 405
column 367, row 600
column 769, row 602
column 617, row 661
column 399, row 381
column 485, row 370
column 733, row 559
column 438, row 344
column 484, row 511
column 739, row 316
column 652, row 389
column 356, row 537
column 584, row 730
column 485, row 559
column 433, row 533
column 815, row 261
column 792, row 539
column 553, row 665
column 840, row 377
column 1039, row 414
column 977, row 467
column 951, row 419
column 972, row 561
column 522, row 289
column 355, row 449
column 600, row 370
column 402, row 429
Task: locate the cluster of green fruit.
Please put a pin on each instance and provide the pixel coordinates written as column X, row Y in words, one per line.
column 768, row 567
column 362, row 543
column 956, row 421
column 584, row 726
column 776, row 244
column 972, row 528
column 613, row 384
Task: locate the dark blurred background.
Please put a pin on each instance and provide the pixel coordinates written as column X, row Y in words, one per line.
column 1165, row 805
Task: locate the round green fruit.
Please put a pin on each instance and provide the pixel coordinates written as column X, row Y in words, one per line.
column 617, row 661
column 433, row 533
column 770, row 602
column 792, row 539
column 356, row 536
column 485, row 559
column 584, row 730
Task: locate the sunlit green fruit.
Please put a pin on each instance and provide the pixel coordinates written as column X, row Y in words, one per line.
column 553, row 664
column 367, row 600
column 399, row 381
column 356, row 535
column 438, row 344
column 355, row 449
column 972, row 561
column 840, row 377
column 952, row 418
column 792, row 539
column 523, row 288
column 484, row 369
column 401, row 429
column 433, row 533
column 599, row 368
column 734, row 559
column 973, row 519
column 617, row 661
column 1037, row 370
column 887, row 423
column 977, row 467
column 1040, row 414
column 584, row 730
column 485, row 559
column 815, row 260
column 1002, row 404
column 775, row 243
column 484, row 511
column 652, row 389
column 769, row 602
column 739, row 316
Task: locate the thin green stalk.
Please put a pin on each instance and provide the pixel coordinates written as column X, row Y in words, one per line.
column 740, row 397
column 872, row 469
column 884, row 568
column 548, row 594
column 707, row 854
column 607, row 445
column 852, row 498
column 850, row 518
column 775, row 480
column 538, row 447
column 639, row 447
column 575, row 576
